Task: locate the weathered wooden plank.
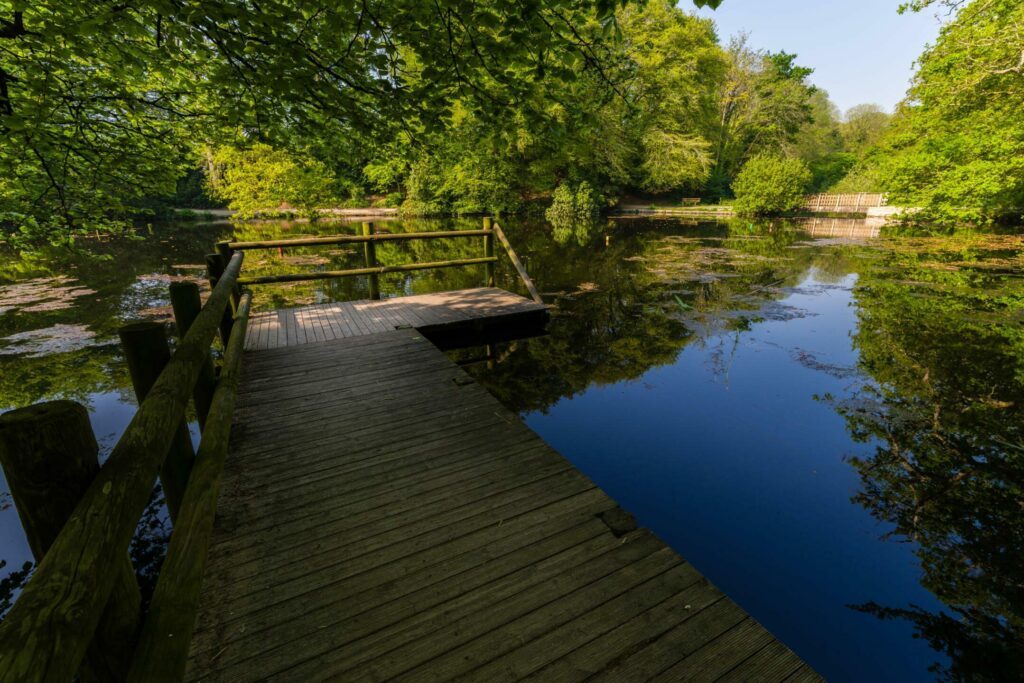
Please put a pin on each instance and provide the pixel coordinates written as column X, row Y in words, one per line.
column 652, row 659
column 345, row 587
column 324, row 322
column 390, row 488
column 773, row 662
column 593, row 576
column 384, row 517
column 583, row 617
column 385, row 504
column 337, row 314
column 376, row 600
column 375, row 545
column 332, row 323
column 722, row 654
column 282, row 333
column 630, row 635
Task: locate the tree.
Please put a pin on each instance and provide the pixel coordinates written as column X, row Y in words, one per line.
column 678, row 65
column 261, row 178
column 103, row 102
column 763, row 103
column 956, row 145
column 770, row 184
column 863, row 126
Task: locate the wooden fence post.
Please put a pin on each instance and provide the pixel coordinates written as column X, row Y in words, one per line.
column 146, row 350
column 186, row 303
column 370, row 256
column 215, row 265
column 489, row 250
column 225, row 252
column 49, row 456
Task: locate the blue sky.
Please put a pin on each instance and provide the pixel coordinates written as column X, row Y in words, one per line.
column 861, row 52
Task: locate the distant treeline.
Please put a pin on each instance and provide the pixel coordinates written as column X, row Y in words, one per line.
column 112, row 112
column 664, row 109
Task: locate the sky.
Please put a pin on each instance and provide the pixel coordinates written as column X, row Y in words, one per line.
column 861, row 52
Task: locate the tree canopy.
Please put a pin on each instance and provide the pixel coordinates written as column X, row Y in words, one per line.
column 458, row 107
column 103, row 102
column 956, row 145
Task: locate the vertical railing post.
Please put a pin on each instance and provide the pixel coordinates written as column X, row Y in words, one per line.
column 147, row 353
column 186, row 303
column 225, row 252
column 49, row 456
column 489, row 249
column 215, row 265
column 370, row 256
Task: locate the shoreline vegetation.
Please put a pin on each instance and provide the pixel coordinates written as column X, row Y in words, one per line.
column 617, row 98
column 885, row 214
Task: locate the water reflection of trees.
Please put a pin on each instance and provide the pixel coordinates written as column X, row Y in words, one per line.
column 944, row 344
column 940, row 334
column 634, row 301
column 79, row 299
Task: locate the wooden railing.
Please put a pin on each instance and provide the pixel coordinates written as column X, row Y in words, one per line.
column 369, row 238
column 80, row 611
column 855, row 202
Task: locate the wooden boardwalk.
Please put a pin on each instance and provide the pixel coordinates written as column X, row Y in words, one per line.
column 383, row 517
column 322, row 322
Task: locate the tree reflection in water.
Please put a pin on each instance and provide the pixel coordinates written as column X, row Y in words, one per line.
column 943, row 342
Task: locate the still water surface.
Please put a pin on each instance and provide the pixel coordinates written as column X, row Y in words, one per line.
column 824, row 420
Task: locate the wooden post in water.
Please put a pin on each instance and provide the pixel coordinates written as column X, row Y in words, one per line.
column 146, row 350
column 370, row 256
column 186, row 303
column 489, row 250
column 215, row 265
column 49, row 456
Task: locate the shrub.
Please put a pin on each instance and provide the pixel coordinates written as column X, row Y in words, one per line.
column 770, row 185
column 570, row 205
column 260, row 179
column 574, row 212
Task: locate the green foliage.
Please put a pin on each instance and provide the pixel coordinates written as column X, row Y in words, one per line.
column 764, row 102
column 573, row 210
column 104, row 104
column 468, row 183
column 634, row 115
column 956, row 146
column 673, row 161
column 939, row 334
column 864, row 126
column 260, row 179
column 770, row 185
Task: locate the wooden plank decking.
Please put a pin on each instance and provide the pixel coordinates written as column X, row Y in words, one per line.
column 384, row 518
column 322, row 322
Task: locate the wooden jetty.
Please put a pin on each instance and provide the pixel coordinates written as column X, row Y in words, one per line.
column 359, row 509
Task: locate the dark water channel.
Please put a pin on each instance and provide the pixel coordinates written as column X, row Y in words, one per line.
column 825, row 419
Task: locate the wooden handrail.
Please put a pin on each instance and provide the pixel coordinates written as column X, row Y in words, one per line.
column 353, row 272
column 369, row 237
column 345, row 239
column 500, row 234
column 45, row 635
column 163, row 647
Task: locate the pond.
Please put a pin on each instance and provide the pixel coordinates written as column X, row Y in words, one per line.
column 823, row 417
